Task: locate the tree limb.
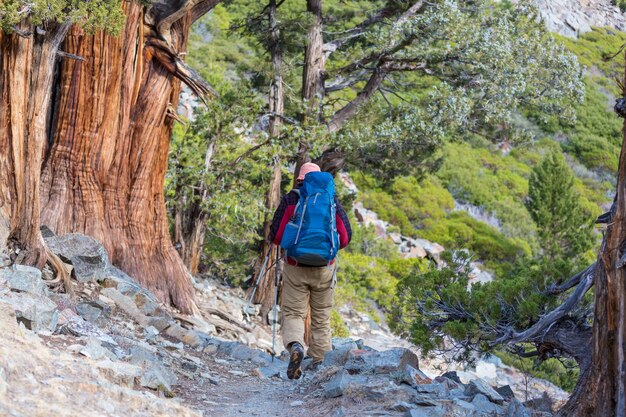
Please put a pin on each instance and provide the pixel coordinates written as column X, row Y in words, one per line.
column 167, row 57
column 570, row 283
column 544, row 323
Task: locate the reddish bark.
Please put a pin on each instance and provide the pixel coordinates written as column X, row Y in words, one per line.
column 105, row 168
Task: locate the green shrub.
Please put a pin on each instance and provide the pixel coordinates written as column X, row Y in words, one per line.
column 337, row 325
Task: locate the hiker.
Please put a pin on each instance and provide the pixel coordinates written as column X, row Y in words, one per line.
column 309, row 272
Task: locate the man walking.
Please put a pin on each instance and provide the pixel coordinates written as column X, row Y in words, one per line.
column 308, row 284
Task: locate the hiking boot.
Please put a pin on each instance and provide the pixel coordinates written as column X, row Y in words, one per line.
column 294, row 371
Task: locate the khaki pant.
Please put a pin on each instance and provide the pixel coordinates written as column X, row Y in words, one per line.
column 301, row 286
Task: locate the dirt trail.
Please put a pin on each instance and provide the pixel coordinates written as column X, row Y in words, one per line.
column 234, row 389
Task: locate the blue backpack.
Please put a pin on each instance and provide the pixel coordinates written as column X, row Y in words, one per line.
column 311, row 236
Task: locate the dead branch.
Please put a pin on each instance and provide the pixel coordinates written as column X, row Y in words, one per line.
column 547, row 320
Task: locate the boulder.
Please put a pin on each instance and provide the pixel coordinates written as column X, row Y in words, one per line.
column 25, row 279
column 93, row 311
column 37, row 313
column 452, row 375
column 516, row 409
column 345, row 343
column 484, row 406
column 479, row 386
column 543, row 403
column 506, row 392
column 393, row 360
column 94, row 350
column 88, row 257
column 437, row 411
column 413, row 377
column 336, row 386
column 119, row 373
column 337, row 357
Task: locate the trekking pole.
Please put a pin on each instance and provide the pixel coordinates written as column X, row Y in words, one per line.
column 256, row 286
column 275, row 302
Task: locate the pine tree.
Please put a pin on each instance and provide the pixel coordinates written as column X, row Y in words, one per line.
column 563, row 227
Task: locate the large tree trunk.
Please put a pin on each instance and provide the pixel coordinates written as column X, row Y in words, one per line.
column 105, row 168
column 265, row 292
column 27, row 63
column 601, row 391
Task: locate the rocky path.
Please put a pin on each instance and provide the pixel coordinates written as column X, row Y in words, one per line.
column 112, row 350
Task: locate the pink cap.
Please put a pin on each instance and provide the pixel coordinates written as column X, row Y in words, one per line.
column 306, row 168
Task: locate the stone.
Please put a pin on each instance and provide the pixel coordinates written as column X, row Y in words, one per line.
column 389, row 361
column 543, row 403
column 244, row 353
column 36, row 312
column 296, row 403
column 412, row 376
column 437, row 411
column 25, row 279
column 126, row 304
column 187, row 336
column 435, row 390
column 94, row 350
column 468, row 408
column 506, row 392
column 157, row 378
column 343, row 343
column 93, row 311
column 336, row 386
column 484, row 406
column 401, row 406
column 266, row 372
column 336, row 357
column 452, row 375
column 88, row 257
column 479, row 386
column 516, row 409
column 119, row 373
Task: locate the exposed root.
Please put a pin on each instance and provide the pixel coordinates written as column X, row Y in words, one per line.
column 62, row 275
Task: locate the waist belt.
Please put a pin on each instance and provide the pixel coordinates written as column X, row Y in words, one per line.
column 293, row 262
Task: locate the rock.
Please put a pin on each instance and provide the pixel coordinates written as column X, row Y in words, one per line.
column 543, row 403
column 74, row 325
column 337, row 357
column 484, row 406
column 244, row 353
column 296, row 403
column 468, row 408
column 88, row 257
column 412, row 376
column 187, row 336
column 401, row 406
column 336, row 386
column 437, row 411
column 271, row 371
column 452, row 375
column 3, row 384
column 158, row 378
column 392, row 360
column 506, row 392
column 479, row 386
column 119, row 373
column 94, row 311
column 344, row 343
column 516, row 409
column 436, row 390
column 127, row 305
column 25, row 279
column 37, row 313
column 96, row 351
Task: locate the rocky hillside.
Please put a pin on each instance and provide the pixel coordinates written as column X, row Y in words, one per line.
column 112, row 350
column 574, row 17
